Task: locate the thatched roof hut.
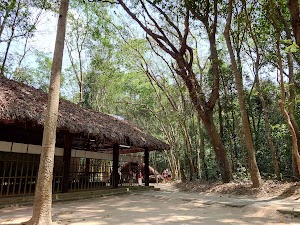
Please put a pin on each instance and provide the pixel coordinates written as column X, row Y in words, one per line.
column 22, row 115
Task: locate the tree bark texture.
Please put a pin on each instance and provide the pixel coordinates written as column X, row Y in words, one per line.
column 293, row 6
column 219, row 149
column 292, row 89
column 43, row 193
column 261, row 97
column 254, row 171
column 183, row 55
column 285, row 113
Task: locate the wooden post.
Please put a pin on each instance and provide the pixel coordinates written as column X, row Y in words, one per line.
column 87, row 173
column 115, row 174
column 67, row 162
column 146, row 160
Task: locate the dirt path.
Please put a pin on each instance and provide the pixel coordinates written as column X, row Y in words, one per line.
column 168, row 206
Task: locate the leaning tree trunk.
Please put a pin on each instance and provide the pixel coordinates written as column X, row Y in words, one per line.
column 294, row 9
column 261, row 97
column 283, row 95
column 43, row 192
column 254, row 171
column 291, row 112
column 218, row 146
column 183, row 55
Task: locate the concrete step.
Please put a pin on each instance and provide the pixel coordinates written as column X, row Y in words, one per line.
column 28, row 200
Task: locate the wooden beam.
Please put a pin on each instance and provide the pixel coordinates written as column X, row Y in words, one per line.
column 146, row 161
column 67, row 162
column 115, row 174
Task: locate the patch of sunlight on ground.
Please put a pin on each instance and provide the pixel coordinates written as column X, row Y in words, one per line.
column 15, row 220
column 136, row 209
column 182, row 218
column 231, row 221
column 182, row 208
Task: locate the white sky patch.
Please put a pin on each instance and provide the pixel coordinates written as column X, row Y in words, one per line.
column 44, row 38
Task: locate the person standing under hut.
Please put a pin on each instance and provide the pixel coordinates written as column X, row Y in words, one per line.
column 140, row 178
column 130, row 178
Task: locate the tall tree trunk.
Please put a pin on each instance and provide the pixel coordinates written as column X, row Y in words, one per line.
column 43, row 192
column 295, row 18
column 220, row 120
column 261, row 97
column 283, row 96
column 227, row 123
column 184, row 57
column 293, row 6
column 254, row 171
column 291, row 111
column 218, row 146
column 200, row 150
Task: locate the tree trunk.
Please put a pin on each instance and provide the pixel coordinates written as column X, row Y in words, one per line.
column 184, row 56
column 293, row 6
column 227, row 123
column 261, row 97
column 294, row 11
column 221, row 128
column 218, row 146
column 286, row 115
column 268, row 132
column 291, row 110
column 254, row 171
column 200, row 150
column 43, row 193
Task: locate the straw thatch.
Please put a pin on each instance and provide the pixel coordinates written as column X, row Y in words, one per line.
column 25, row 105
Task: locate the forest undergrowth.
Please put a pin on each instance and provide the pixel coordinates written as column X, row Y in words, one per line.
column 269, row 188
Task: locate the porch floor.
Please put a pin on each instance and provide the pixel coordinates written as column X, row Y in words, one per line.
column 13, row 201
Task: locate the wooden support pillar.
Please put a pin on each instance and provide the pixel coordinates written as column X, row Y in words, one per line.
column 87, row 173
column 146, row 161
column 67, row 162
column 115, row 174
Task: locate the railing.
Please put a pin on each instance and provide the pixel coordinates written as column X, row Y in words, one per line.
column 18, row 174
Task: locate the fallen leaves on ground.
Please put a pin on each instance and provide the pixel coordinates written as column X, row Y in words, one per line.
column 269, row 188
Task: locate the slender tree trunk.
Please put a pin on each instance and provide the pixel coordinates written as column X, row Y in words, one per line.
column 268, row 132
column 3, row 24
column 188, row 146
column 291, row 110
column 283, row 96
column 261, row 97
column 200, row 152
column 254, row 171
column 230, row 147
column 292, row 89
column 43, row 193
column 10, row 39
column 5, row 57
column 294, row 9
column 221, row 155
column 230, row 133
column 220, row 120
column 184, row 56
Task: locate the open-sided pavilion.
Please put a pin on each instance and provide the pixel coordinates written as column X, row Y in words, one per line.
column 89, row 144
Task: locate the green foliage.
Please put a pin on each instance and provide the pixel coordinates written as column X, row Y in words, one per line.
column 115, row 57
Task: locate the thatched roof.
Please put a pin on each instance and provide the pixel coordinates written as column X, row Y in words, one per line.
column 25, row 105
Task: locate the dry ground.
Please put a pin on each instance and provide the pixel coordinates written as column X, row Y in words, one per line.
column 269, row 188
column 190, row 203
